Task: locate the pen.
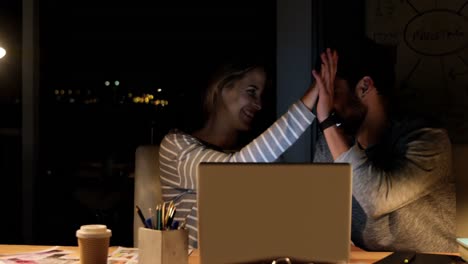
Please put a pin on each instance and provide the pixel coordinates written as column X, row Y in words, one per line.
column 167, row 224
column 175, row 225
column 163, row 216
column 171, row 218
column 182, row 226
column 142, row 217
column 148, row 222
column 158, row 217
column 151, row 214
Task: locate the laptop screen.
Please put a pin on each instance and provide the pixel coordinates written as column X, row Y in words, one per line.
column 264, row 211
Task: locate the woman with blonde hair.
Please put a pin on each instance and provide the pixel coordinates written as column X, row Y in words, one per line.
column 232, row 100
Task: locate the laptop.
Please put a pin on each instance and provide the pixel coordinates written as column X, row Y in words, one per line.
column 254, row 212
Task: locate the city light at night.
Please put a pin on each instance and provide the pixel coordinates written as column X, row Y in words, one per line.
column 2, row 52
column 75, row 96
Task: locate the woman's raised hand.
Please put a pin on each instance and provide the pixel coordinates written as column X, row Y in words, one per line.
column 326, row 83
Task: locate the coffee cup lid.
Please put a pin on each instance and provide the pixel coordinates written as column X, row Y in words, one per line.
column 93, row 231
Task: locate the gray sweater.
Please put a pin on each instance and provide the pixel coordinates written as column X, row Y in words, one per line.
column 403, row 193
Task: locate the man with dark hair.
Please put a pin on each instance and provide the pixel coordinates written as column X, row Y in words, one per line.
column 403, row 194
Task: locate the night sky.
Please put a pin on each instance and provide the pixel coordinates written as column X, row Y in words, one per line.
column 163, row 42
column 145, row 42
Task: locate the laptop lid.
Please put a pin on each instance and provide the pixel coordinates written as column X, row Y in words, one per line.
column 263, row 211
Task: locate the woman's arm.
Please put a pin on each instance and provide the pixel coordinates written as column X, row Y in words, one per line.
column 181, row 153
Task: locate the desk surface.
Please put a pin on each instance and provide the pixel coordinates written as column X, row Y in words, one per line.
column 357, row 255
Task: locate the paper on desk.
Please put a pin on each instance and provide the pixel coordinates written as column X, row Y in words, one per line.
column 52, row 255
column 123, row 255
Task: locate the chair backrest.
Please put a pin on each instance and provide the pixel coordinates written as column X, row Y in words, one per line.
column 147, row 184
column 460, row 170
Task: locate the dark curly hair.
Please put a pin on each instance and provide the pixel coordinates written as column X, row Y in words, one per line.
column 363, row 57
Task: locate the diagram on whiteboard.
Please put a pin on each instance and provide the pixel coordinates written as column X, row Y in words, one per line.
column 431, row 39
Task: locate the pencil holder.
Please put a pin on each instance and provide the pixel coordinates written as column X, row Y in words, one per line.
column 162, row 247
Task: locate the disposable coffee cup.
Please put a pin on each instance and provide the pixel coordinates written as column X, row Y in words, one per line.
column 93, row 243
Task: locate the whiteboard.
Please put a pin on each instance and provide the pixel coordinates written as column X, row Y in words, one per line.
column 432, row 56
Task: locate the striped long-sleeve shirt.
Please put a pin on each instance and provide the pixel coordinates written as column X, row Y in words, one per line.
column 180, row 154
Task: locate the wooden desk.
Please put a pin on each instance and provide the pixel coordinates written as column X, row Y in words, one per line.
column 357, row 255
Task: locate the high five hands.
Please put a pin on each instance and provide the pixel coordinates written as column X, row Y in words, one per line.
column 325, row 82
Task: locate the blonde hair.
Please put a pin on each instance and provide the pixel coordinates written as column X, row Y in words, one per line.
column 224, row 77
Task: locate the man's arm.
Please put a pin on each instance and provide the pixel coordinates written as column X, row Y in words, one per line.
column 426, row 164
column 336, row 141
